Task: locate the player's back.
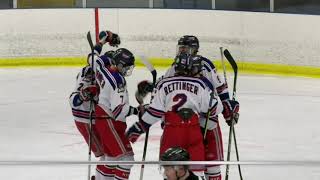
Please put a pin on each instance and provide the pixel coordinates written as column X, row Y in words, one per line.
column 80, row 108
column 179, row 92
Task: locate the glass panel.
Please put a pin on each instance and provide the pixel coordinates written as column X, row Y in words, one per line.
column 298, row 6
column 243, row 5
column 118, row 3
column 187, row 4
column 6, row 4
column 49, row 3
column 152, row 172
column 158, row 3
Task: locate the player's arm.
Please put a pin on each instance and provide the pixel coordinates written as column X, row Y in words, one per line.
column 210, row 72
column 210, row 108
column 104, row 37
column 153, row 113
column 120, row 106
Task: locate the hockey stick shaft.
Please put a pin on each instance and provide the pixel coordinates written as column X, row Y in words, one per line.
column 91, row 105
column 232, row 130
column 96, row 23
column 150, row 67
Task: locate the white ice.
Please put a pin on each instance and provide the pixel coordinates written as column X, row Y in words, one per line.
column 278, row 121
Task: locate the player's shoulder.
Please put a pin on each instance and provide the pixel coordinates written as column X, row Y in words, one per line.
column 207, row 63
column 171, row 79
column 85, row 74
column 114, row 78
column 117, row 78
column 207, row 82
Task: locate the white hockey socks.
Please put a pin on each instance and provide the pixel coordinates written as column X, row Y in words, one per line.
column 105, row 172
column 213, row 173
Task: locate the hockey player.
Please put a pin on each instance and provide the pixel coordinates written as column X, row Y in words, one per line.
column 177, row 172
column 86, row 91
column 111, row 112
column 80, row 104
column 180, row 100
column 214, row 146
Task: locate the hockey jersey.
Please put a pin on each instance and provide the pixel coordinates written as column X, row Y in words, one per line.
column 176, row 92
column 113, row 96
column 209, row 71
column 81, row 109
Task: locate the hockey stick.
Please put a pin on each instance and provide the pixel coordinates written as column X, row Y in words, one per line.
column 154, row 78
column 91, row 105
column 232, row 129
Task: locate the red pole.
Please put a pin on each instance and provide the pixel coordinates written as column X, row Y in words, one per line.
column 96, row 20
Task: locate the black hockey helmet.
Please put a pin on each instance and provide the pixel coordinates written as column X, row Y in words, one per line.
column 187, row 64
column 109, row 53
column 124, row 60
column 189, row 44
column 175, row 154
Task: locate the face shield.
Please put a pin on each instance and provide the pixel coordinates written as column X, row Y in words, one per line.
column 183, row 49
column 127, row 70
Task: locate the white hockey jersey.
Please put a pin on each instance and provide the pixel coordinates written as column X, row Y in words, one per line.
column 113, row 97
column 174, row 93
column 80, row 109
column 209, row 71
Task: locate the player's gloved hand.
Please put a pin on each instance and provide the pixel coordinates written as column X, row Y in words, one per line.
column 104, row 37
column 115, row 40
column 108, row 36
column 89, row 92
column 143, row 88
column 230, row 111
column 136, row 130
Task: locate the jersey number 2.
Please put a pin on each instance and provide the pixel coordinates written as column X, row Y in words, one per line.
column 180, row 99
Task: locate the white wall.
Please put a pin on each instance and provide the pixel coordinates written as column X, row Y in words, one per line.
column 254, row 37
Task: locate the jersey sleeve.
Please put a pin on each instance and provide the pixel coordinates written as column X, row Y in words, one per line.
column 120, row 107
column 210, row 72
column 156, row 109
column 210, row 107
column 213, row 104
column 80, row 109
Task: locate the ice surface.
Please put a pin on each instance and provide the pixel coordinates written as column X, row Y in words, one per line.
column 278, row 121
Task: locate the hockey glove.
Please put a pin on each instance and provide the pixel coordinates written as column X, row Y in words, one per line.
column 230, row 111
column 136, row 130
column 89, row 92
column 104, row 37
column 115, row 40
column 144, row 87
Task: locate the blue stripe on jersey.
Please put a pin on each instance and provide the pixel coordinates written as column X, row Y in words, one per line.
column 115, row 76
column 106, row 75
column 116, row 112
column 106, row 60
column 207, row 64
column 78, row 110
column 207, row 82
column 181, row 78
column 154, row 114
column 76, row 100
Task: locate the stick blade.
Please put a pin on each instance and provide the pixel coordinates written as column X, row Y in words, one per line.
column 231, row 60
column 90, row 40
